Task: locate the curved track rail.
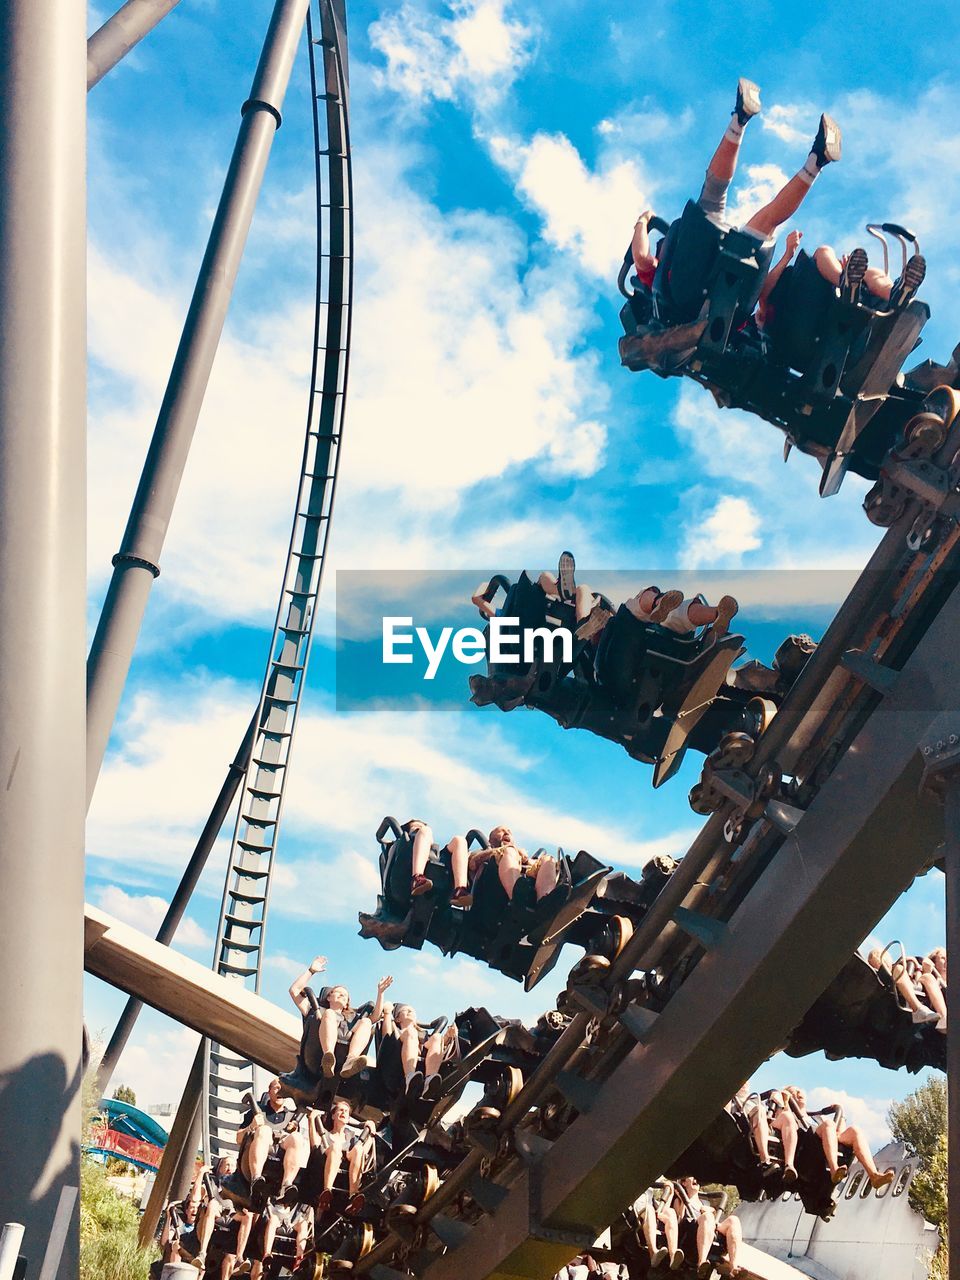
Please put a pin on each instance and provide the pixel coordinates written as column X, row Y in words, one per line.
column 762, row 911
column 240, row 937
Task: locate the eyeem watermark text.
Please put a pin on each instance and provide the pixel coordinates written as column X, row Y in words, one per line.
column 507, row 642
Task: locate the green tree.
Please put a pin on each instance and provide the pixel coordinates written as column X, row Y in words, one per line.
column 920, row 1121
column 123, row 1093
column 921, row 1118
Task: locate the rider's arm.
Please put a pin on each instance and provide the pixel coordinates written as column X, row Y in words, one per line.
column 642, row 258
column 776, row 271
column 299, row 985
column 378, row 1006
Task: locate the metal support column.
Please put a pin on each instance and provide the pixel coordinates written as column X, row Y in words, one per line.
column 137, row 563
column 42, row 619
column 181, row 898
column 185, row 1172
column 941, row 754
column 118, row 35
column 176, row 1144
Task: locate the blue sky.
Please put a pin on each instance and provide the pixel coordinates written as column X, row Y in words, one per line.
column 502, row 153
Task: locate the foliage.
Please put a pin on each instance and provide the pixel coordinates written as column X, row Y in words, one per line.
column 733, row 1195
column 108, row 1230
column 921, row 1118
column 920, row 1121
column 123, row 1093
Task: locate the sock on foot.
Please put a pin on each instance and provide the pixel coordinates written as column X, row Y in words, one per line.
column 811, row 169
column 734, row 131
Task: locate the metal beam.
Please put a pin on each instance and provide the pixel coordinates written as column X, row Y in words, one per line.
column 216, row 1007
column 42, row 617
column 118, row 35
column 137, row 563
column 857, row 847
column 175, row 1146
column 181, row 898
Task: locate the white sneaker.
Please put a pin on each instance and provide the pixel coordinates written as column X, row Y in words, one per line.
column 925, row 1015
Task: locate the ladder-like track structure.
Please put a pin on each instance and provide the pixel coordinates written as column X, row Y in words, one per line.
column 240, row 936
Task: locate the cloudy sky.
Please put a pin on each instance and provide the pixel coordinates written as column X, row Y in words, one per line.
column 503, row 149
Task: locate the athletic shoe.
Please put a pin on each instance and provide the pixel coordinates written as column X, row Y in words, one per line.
column 353, row 1066
column 839, row 1174
column 594, row 623
column 666, row 603
column 328, row 1065
column 748, row 101
column 827, row 143
column 851, row 278
column 904, row 289
column 325, row 1201
column 565, row 576
column 415, row 1085
column 727, row 609
column 924, row 1015
column 790, row 1176
column 882, row 1179
column 462, row 897
column 677, row 1261
column 420, row 885
column 659, row 1258
column 705, row 1270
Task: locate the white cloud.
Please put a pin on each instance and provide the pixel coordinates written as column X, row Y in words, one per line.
column 763, row 183
column 722, row 535
column 156, row 1063
column 787, row 121
column 475, row 53
column 869, row 1114
column 586, row 214
column 145, row 912
column 457, row 769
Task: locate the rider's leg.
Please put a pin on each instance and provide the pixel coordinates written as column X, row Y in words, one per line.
column 723, row 162
column 509, row 869
column 459, row 860
column 787, row 201
column 732, row 1234
column 257, row 1151
column 547, row 877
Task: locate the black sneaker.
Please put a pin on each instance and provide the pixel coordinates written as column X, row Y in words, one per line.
column 826, row 145
column 748, row 101
column 415, row 1085
column 851, row 277
column 565, row 575
column 904, row 289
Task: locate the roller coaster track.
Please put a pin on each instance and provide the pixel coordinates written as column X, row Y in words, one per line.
column 761, row 914
column 240, row 936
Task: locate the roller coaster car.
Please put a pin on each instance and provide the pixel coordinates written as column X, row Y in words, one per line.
column 860, row 1016
column 627, row 1243
column 520, row 938
column 643, row 686
column 825, row 370
column 725, row 1153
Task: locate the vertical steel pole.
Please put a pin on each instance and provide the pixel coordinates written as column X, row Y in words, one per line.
column 952, row 869
column 180, row 1132
column 120, row 33
column 137, row 563
column 42, row 608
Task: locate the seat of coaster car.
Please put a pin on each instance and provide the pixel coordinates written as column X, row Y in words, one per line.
column 860, row 1016
column 725, row 1153
column 519, row 938
column 708, row 280
column 654, row 687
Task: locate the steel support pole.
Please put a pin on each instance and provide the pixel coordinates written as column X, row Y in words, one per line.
column 952, row 869
column 114, row 40
column 42, row 608
column 181, row 898
column 137, row 563
column 185, row 1171
column 179, row 1138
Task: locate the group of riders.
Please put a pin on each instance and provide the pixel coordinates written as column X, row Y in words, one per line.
column 304, row 1166
column 851, row 273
